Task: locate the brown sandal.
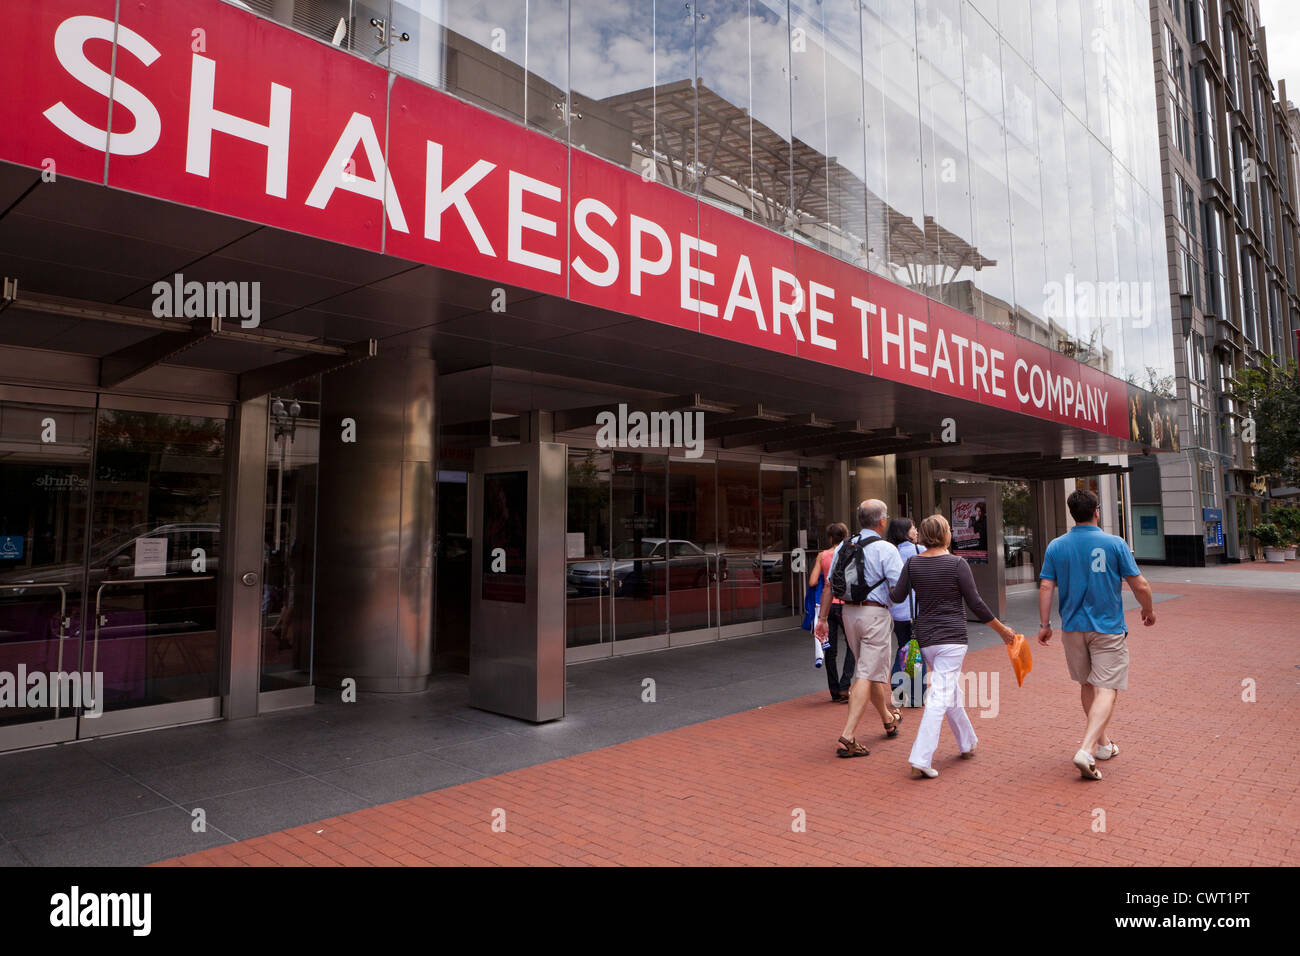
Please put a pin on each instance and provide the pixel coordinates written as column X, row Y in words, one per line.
column 891, row 729
column 851, row 748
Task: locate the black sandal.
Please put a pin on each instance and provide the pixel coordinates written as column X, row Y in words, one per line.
column 891, row 729
column 851, row 748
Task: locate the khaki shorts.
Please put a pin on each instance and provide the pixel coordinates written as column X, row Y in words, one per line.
column 1097, row 659
column 868, row 629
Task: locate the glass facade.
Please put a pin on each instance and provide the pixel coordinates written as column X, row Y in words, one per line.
column 289, row 549
column 658, row 546
column 997, row 155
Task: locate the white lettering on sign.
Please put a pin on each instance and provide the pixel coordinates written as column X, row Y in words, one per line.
column 206, row 119
column 514, row 196
column 70, row 47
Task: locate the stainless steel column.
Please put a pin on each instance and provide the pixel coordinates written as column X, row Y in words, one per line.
column 241, row 595
column 517, row 665
column 375, row 517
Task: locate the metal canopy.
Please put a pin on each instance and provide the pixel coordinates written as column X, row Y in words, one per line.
column 173, row 336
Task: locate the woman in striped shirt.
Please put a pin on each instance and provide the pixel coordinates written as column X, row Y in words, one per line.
column 942, row 582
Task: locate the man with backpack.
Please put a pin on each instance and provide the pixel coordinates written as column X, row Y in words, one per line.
column 864, row 570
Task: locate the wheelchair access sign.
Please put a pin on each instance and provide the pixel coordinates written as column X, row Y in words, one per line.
column 11, row 547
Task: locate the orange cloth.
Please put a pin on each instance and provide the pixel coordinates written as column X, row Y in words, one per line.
column 1021, row 659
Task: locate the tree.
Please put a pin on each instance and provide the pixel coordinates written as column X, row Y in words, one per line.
column 1271, row 397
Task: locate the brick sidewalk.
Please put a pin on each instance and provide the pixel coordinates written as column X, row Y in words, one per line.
column 1203, row 779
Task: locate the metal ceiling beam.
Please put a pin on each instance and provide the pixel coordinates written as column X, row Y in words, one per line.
column 742, row 421
column 891, row 447
column 262, row 381
column 974, row 463
column 807, row 425
column 142, row 319
column 834, row 443
column 840, row 433
column 131, row 361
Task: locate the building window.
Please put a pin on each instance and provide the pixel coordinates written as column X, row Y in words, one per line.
column 1196, row 20
column 1207, row 141
column 1216, row 262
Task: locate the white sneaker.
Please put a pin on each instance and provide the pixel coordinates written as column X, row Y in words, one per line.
column 1105, row 752
column 923, row 771
column 1087, row 766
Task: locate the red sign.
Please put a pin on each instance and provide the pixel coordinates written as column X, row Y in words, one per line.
column 219, row 109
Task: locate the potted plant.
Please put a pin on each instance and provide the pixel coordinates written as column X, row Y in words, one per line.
column 1288, row 519
column 1271, row 537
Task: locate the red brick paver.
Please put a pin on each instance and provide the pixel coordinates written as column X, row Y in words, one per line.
column 1203, row 777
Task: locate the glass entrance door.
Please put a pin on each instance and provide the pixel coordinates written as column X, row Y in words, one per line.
column 45, row 456
column 110, row 546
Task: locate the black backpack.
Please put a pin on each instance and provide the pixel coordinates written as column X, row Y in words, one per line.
column 849, row 573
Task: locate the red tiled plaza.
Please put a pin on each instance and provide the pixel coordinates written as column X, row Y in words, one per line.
column 1204, row 777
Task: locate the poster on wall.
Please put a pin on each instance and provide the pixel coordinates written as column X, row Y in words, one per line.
column 970, row 531
column 1152, row 420
column 505, row 536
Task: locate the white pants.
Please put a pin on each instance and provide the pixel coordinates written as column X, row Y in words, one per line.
column 942, row 699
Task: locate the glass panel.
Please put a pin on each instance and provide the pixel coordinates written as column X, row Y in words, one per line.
column 1072, row 53
column 473, row 48
column 990, row 198
column 613, row 84
column 780, row 486
column 547, row 79
column 889, row 33
column 289, row 563
column 587, row 586
column 343, row 23
column 673, row 102
column 1026, row 197
column 738, row 526
column 695, row 562
column 1018, row 544
column 638, row 559
column 845, row 124
column 43, row 512
column 154, row 555
column 946, row 269
column 812, row 510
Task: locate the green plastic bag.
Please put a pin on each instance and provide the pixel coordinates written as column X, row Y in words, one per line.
column 913, row 657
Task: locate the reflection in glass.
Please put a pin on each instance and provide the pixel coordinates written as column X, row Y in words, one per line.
column 990, row 195
column 587, row 578
column 780, row 536
column 474, row 49
column 43, row 516
column 155, row 550
column 696, row 566
column 636, row 568
column 289, row 548
column 738, row 528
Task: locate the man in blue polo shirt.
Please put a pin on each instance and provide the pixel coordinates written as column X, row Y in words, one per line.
column 1090, row 567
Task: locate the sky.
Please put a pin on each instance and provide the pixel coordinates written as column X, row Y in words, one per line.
column 1281, row 19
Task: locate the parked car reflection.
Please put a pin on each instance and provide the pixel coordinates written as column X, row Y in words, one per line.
column 648, row 568
column 114, row 559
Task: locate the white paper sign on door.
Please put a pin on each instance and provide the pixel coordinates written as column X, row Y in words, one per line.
column 150, row 557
